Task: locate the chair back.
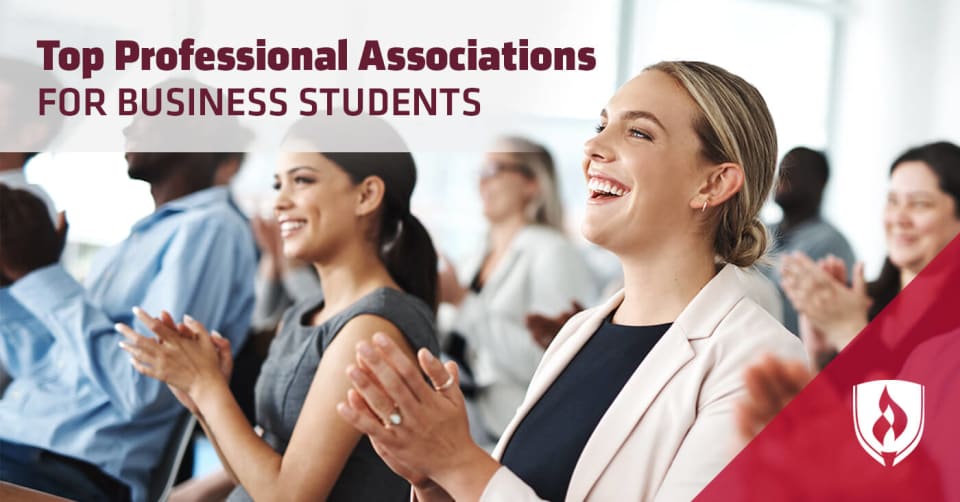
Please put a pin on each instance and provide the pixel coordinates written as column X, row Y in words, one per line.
column 164, row 475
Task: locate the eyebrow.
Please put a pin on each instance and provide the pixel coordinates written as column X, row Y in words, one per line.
column 637, row 114
column 914, row 193
column 295, row 169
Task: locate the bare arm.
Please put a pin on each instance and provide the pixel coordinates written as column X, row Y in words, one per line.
column 214, row 486
column 321, row 441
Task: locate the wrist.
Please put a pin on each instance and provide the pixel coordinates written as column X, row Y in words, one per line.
column 428, row 491
column 851, row 328
column 208, row 391
column 465, row 477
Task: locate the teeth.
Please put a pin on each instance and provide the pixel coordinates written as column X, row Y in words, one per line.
column 289, row 226
column 605, row 187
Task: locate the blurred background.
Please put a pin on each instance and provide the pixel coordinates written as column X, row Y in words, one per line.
column 861, row 79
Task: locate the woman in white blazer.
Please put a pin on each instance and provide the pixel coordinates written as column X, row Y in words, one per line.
column 515, row 276
column 682, row 161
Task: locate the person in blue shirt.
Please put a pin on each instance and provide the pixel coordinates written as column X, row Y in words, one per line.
column 23, row 134
column 78, row 420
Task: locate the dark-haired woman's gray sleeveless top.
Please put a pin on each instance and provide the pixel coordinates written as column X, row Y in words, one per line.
column 288, row 371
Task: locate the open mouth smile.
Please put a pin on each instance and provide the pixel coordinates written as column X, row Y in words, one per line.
column 601, row 188
column 289, row 226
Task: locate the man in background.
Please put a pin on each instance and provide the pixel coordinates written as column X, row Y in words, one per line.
column 803, row 177
column 78, row 420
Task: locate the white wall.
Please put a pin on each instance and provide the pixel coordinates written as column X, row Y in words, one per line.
column 946, row 121
column 897, row 89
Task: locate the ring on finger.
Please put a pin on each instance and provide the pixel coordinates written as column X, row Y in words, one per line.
column 395, row 418
column 446, row 385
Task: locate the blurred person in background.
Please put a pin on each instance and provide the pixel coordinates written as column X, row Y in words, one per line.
column 79, row 421
column 803, row 177
column 23, row 134
column 528, row 267
column 916, row 338
column 12, row 166
column 922, row 215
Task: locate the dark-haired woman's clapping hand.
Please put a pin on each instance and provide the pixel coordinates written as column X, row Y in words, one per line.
column 186, row 357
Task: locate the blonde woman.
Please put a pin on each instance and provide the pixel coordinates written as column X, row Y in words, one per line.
column 634, row 399
column 513, row 277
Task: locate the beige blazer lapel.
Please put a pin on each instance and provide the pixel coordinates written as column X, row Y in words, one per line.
column 668, row 356
column 699, row 319
column 561, row 351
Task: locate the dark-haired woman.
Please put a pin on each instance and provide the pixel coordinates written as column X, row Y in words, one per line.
column 348, row 214
column 921, row 217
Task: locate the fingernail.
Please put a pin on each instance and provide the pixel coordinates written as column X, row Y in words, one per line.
column 429, row 355
column 137, row 311
column 380, row 339
column 122, row 345
column 118, row 326
column 365, row 350
column 187, row 318
column 217, row 334
column 354, row 373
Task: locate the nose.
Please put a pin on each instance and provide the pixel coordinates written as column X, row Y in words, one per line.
column 898, row 215
column 283, row 201
column 902, row 217
column 598, row 149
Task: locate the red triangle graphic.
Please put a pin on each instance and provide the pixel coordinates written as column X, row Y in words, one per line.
column 810, row 450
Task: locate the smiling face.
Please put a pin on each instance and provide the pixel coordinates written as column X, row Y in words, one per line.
column 315, row 207
column 643, row 168
column 919, row 218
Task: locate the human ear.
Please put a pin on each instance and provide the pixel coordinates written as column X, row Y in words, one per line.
column 370, row 194
column 722, row 182
column 226, row 171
